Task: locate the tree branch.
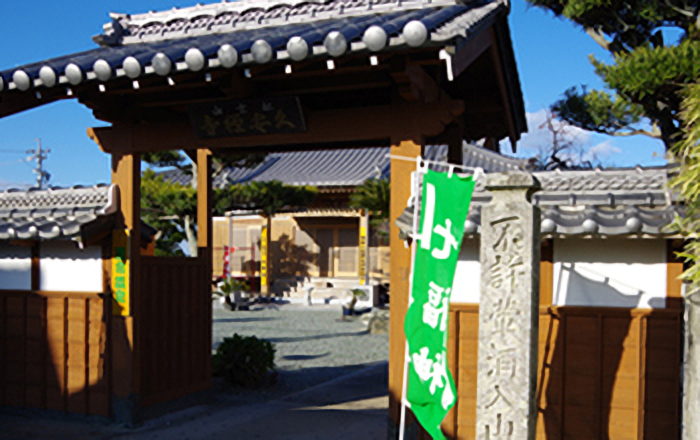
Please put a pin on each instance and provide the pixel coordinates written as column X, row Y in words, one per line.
column 599, row 38
column 656, row 134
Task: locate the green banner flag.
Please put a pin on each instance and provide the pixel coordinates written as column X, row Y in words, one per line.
column 444, row 206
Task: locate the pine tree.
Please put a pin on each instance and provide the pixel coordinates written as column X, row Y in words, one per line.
column 648, row 75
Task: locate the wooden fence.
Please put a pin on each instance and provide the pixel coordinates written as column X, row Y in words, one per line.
column 53, row 351
column 176, row 327
column 604, row 373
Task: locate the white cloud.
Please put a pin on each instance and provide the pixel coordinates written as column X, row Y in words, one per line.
column 539, row 137
column 602, row 151
column 4, row 185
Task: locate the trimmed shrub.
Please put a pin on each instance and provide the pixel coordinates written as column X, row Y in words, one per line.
column 245, row 361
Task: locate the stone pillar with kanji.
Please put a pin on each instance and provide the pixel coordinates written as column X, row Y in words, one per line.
column 508, row 310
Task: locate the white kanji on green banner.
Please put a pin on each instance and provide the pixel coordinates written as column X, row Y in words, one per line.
column 444, row 206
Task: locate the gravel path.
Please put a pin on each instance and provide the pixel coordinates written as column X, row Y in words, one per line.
column 313, row 345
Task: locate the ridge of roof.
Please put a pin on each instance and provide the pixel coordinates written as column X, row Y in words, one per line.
column 223, row 17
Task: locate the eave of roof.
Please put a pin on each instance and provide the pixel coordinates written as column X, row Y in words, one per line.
column 615, row 202
column 56, row 213
column 327, row 30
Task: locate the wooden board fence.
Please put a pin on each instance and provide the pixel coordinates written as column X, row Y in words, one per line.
column 603, row 373
column 53, row 351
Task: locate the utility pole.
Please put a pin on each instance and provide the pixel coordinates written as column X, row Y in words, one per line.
column 40, row 156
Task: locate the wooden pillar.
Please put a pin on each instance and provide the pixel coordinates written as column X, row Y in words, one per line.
column 265, row 234
column 455, row 152
column 204, row 252
column 125, row 336
column 400, row 270
column 547, row 273
column 364, row 266
column 204, row 205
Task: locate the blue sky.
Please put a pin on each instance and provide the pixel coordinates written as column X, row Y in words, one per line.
column 552, row 55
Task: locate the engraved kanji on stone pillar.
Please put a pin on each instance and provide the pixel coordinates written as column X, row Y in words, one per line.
column 508, row 310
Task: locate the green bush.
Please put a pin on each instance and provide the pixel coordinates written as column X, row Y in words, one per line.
column 245, row 361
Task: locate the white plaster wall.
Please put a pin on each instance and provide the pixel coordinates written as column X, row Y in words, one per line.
column 467, row 282
column 66, row 268
column 610, row 273
column 15, row 267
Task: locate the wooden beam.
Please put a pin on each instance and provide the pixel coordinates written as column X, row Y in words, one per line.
column 36, row 266
column 398, row 121
column 505, row 95
column 400, row 269
column 472, row 50
column 674, row 269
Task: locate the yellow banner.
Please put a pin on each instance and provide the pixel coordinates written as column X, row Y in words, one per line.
column 263, row 259
column 363, row 255
column 120, row 273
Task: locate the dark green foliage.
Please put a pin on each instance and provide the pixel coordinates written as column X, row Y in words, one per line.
column 171, row 208
column 648, row 75
column 168, row 207
column 374, row 196
column 245, row 361
column 687, row 183
column 268, row 197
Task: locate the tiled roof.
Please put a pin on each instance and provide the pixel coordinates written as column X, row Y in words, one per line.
column 228, row 34
column 347, row 167
column 53, row 213
column 596, row 202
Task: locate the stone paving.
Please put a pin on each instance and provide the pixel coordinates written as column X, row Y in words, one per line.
column 313, row 344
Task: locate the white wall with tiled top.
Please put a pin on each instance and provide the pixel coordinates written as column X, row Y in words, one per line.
column 15, row 267
column 620, row 272
column 610, row 273
column 66, row 268
column 467, row 283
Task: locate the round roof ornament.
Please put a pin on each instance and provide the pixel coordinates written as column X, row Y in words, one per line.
column 297, row 48
column 103, row 70
column 21, row 80
column 633, row 224
column 132, row 67
column 470, row 227
column 194, row 58
column 261, row 51
column 548, row 226
column 2, row 84
column 375, row 38
column 228, row 56
column 74, row 74
column 415, row 33
column 590, row 226
column 48, row 76
column 161, row 64
column 335, row 44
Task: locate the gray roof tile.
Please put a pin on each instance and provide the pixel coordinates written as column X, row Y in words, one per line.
column 339, row 168
column 53, row 213
column 596, row 202
column 240, row 24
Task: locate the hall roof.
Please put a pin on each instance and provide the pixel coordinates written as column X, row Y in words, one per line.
column 237, row 33
column 613, row 202
column 342, row 168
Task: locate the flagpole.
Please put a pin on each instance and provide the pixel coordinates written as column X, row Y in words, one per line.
column 420, row 166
